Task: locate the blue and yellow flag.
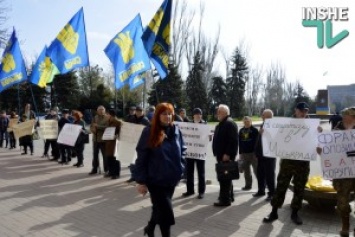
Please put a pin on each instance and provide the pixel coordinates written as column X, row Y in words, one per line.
column 12, row 68
column 156, row 38
column 44, row 70
column 127, row 54
column 69, row 50
column 137, row 80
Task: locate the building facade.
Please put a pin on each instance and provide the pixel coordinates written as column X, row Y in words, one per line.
column 340, row 97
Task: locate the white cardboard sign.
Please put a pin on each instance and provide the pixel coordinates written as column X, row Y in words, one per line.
column 290, row 138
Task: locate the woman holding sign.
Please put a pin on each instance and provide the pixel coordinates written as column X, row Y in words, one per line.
column 345, row 186
column 80, row 144
column 159, row 167
column 26, row 141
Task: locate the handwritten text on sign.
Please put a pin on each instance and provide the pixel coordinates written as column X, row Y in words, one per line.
column 290, row 138
column 69, row 134
column 48, row 129
column 336, row 164
column 196, row 137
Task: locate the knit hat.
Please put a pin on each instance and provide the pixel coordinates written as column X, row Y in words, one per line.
column 302, row 106
column 197, row 111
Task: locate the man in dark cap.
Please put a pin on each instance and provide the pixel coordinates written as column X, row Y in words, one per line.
column 131, row 117
column 200, row 164
column 296, row 170
column 140, row 117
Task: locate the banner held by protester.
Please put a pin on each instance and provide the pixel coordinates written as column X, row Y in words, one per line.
column 290, row 138
column 48, row 129
column 69, row 134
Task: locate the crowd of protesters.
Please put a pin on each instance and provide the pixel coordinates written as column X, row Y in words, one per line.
column 161, row 142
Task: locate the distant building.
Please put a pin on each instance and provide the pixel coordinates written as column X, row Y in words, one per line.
column 340, row 97
column 322, row 104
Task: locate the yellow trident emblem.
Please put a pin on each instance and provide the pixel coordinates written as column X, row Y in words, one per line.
column 125, row 43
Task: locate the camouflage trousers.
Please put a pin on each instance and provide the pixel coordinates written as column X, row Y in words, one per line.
column 296, row 170
column 344, row 187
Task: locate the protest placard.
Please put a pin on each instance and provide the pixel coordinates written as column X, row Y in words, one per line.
column 109, row 134
column 69, row 134
column 196, row 137
column 290, row 138
column 12, row 122
column 48, row 129
column 24, row 128
column 338, row 147
column 131, row 132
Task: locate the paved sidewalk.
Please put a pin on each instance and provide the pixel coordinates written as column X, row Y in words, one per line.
column 42, row 198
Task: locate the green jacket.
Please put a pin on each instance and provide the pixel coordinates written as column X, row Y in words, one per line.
column 101, row 122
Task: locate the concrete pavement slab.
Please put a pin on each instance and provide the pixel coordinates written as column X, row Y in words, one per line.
column 45, row 199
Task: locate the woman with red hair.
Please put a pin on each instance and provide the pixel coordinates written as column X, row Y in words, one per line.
column 159, row 166
column 80, row 144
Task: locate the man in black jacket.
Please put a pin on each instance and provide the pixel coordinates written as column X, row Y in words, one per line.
column 247, row 139
column 225, row 148
column 140, row 117
column 131, row 117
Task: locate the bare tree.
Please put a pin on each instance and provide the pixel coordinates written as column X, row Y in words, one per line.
column 4, row 9
column 226, row 59
column 289, row 96
column 254, row 85
column 208, row 49
column 182, row 19
column 209, row 53
column 275, row 87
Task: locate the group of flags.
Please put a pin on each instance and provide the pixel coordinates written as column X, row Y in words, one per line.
column 131, row 52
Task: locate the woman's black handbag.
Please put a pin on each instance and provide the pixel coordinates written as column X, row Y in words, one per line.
column 227, row 170
column 83, row 138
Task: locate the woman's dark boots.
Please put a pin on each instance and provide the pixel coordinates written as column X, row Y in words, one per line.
column 149, row 229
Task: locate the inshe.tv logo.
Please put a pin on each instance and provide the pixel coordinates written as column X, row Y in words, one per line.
column 322, row 18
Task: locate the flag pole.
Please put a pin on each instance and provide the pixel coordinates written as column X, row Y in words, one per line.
column 18, row 99
column 33, row 98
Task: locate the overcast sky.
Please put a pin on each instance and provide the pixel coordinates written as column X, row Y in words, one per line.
column 272, row 30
